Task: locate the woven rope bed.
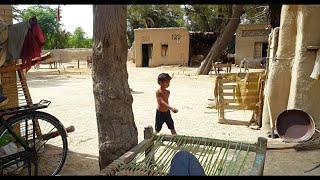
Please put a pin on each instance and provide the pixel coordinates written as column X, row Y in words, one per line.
column 152, row 157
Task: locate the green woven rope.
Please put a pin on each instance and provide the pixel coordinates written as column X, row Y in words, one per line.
column 216, row 156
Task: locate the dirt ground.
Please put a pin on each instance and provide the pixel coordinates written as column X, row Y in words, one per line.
column 70, row 91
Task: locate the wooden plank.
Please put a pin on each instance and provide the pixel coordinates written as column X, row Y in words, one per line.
column 313, row 48
column 34, row 61
column 227, row 94
column 142, row 146
column 148, row 134
column 238, row 107
column 205, row 141
column 230, row 80
column 252, row 99
column 228, row 87
column 234, row 122
column 230, row 100
column 258, row 165
column 126, row 157
column 280, row 146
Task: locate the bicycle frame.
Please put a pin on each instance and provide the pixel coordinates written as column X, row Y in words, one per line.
column 28, row 153
column 21, row 156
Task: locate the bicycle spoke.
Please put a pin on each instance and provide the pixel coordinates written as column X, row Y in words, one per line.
column 50, row 152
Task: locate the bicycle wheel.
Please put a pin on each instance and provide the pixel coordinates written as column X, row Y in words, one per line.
column 46, row 136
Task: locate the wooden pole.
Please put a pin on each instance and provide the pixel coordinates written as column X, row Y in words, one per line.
column 220, row 101
column 258, row 165
column 148, row 134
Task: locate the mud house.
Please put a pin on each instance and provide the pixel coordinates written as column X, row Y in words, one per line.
column 6, row 13
column 251, row 43
column 161, row 46
column 294, row 64
column 8, row 79
column 5, row 19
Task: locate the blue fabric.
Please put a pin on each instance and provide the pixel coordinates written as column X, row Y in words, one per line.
column 185, row 164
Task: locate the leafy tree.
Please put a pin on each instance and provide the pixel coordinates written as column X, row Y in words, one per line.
column 78, row 39
column 56, row 36
column 63, row 38
column 88, row 43
column 223, row 40
column 255, row 14
column 46, row 17
column 207, row 18
column 152, row 16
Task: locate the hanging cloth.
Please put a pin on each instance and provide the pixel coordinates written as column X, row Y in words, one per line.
column 33, row 43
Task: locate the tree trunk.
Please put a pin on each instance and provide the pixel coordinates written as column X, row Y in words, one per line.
column 274, row 15
column 113, row 100
column 222, row 42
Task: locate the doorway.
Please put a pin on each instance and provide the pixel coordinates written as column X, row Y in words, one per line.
column 146, row 54
column 264, row 49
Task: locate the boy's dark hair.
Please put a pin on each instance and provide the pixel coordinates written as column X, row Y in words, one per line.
column 163, row 77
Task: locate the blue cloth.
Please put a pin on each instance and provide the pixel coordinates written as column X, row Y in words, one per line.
column 185, row 164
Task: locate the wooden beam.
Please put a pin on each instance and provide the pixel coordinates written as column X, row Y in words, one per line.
column 238, row 107
column 258, row 165
column 251, row 98
column 16, row 67
column 313, row 48
column 227, row 94
column 234, row 122
column 205, row 141
column 142, row 146
column 228, row 87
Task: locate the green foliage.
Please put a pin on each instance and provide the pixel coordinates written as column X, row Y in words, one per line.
column 46, row 17
column 207, row 18
column 152, row 16
column 255, row 14
column 78, row 40
column 56, row 36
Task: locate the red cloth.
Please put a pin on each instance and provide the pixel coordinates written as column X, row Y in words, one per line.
column 33, row 44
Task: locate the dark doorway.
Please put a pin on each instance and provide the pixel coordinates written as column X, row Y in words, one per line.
column 146, row 54
column 264, row 49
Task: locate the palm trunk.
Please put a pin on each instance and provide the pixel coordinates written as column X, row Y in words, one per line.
column 222, row 42
column 113, row 101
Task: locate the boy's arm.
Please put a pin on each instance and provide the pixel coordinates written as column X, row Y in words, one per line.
column 163, row 102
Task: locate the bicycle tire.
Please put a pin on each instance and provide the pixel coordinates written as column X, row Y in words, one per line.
column 45, row 117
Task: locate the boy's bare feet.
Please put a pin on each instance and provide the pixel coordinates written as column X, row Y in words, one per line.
column 173, row 132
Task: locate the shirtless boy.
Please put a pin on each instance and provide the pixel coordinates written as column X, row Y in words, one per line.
column 163, row 111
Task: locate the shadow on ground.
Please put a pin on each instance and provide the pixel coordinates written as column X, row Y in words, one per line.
column 40, row 79
column 80, row 164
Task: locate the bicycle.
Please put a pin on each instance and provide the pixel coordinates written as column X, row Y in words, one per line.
column 37, row 150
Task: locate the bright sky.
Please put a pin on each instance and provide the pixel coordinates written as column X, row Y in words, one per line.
column 74, row 16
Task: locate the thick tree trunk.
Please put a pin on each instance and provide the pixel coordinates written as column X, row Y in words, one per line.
column 113, row 101
column 222, row 42
column 274, row 15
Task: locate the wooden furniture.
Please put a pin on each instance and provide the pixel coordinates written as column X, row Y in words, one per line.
column 15, row 88
column 240, row 91
column 218, row 66
column 152, row 156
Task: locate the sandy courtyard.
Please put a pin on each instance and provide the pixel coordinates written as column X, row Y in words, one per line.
column 73, row 103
